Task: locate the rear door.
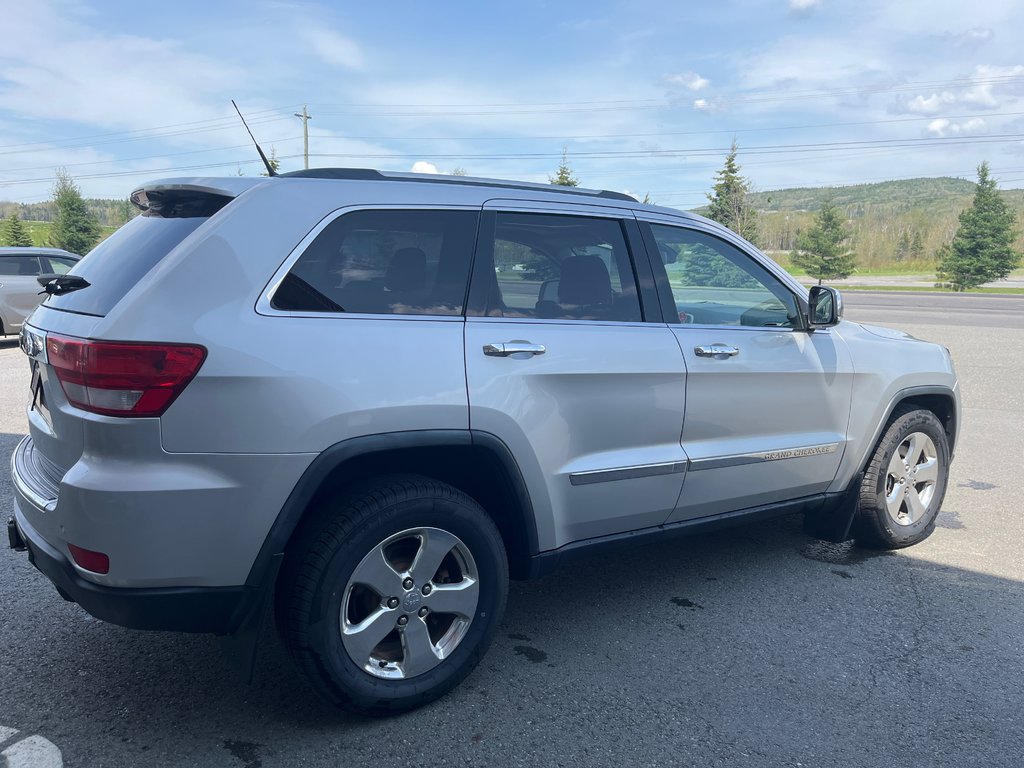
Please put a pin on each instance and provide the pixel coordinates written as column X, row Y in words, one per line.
column 767, row 403
column 19, row 291
column 570, row 364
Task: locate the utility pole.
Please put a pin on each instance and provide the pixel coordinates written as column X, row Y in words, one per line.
column 305, row 117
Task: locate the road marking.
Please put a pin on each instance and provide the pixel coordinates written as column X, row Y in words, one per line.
column 30, row 752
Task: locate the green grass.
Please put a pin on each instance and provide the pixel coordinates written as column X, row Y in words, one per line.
column 927, row 289
column 40, row 232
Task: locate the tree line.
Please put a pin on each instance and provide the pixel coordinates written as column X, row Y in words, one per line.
column 980, row 249
column 74, row 227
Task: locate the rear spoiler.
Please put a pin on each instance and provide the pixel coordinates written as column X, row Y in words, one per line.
column 185, row 198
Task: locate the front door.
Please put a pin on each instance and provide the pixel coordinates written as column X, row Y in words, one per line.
column 767, row 403
column 563, row 367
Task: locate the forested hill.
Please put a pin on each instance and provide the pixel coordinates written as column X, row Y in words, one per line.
column 892, row 223
column 905, row 194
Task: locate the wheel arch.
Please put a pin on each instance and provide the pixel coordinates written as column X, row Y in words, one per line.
column 942, row 401
column 477, row 463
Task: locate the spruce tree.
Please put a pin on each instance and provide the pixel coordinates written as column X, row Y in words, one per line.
column 729, row 204
column 982, row 248
column 821, row 251
column 564, row 177
column 917, row 247
column 15, row 232
column 74, row 227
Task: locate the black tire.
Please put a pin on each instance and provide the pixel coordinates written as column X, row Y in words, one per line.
column 316, row 577
column 874, row 526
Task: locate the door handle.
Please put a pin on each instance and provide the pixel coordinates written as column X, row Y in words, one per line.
column 513, row 347
column 716, row 350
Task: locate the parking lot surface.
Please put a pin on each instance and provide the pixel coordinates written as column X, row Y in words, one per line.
column 754, row 646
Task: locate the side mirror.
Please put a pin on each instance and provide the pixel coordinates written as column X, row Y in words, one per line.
column 825, row 307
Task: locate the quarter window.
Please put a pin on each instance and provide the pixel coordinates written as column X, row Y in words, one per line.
column 411, row 262
column 715, row 283
column 551, row 266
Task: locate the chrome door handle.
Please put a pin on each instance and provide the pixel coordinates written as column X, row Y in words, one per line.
column 716, row 350
column 513, row 347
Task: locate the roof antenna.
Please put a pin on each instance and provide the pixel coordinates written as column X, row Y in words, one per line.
column 263, row 157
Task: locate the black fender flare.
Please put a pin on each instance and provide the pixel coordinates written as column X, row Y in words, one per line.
column 333, row 457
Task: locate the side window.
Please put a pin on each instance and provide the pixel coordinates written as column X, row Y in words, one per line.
column 26, row 266
column 551, row 266
column 60, row 266
column 397, row 262
column 715, row 283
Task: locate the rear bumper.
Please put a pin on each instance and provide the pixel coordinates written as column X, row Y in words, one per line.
column 180, row 609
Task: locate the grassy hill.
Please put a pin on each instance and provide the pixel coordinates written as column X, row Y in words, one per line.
column 879, row 216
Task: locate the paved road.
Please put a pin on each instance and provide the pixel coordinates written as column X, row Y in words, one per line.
column 756, row 647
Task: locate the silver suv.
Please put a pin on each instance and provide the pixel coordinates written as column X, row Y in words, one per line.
column 367, row 400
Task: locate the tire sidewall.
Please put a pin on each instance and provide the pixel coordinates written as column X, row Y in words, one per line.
column 905, row 535
column 481, row 537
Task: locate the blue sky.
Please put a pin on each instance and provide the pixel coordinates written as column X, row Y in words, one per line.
column 646, row 97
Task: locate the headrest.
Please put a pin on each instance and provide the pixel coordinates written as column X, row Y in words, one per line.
column 584, row 282
column 407, row 270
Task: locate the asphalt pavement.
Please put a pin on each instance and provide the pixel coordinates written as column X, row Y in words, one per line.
column 750, row 647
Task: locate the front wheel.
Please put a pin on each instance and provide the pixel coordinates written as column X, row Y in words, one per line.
column 905, row 482
column 395, row 595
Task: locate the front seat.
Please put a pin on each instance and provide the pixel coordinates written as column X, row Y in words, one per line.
column 406, row 278
column 585, row 288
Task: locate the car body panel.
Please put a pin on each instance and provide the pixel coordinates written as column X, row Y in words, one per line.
column 21, row 293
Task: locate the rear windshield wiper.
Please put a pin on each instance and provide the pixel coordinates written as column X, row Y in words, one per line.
column 57, row 285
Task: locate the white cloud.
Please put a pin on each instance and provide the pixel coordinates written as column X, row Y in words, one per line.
column 422, row 166
column 333, row 48
column 930, row 105
column 690, row 80
column 973, row 36
column 942, row 127
column 986, row 81
column 803, row 6
column 702, row 104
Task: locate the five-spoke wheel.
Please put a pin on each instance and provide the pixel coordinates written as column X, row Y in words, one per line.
column 391, row 597
column 904, row 482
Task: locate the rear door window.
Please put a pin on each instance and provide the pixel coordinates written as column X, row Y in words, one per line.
column 114, row 266
column 556, row 266
column 19, row 266
column 384, row 262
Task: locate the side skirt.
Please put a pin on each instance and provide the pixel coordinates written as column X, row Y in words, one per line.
column 826, row 516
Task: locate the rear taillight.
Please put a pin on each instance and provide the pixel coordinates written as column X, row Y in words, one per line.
column 122, row 378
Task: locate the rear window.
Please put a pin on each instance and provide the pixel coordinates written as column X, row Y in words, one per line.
column 390, row 262
column 120, row 261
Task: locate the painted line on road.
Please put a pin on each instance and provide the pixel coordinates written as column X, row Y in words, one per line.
column 29, row 752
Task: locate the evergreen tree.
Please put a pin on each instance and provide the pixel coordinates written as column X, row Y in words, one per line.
column 273, row 161
column 729, row 204
column 15, row 232
column 74, row 227
column 564, row 177
column 917, row 247
column 903, row 246
column 982, row 248
column 821, row 251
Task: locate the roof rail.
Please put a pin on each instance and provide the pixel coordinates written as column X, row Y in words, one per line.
column 368, row 174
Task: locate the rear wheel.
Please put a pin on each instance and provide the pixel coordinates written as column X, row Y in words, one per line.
column 905, row 482
column 394, row 595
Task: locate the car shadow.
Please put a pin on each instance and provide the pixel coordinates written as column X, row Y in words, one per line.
column 756, row 637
